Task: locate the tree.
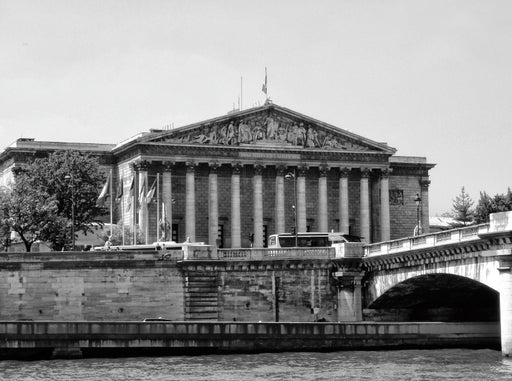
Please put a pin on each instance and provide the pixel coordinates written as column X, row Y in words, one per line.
column 59, row 183
column 462, row 208
column 29, row 213
column 487, row 205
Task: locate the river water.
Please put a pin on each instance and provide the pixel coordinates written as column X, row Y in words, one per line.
column 444, row 364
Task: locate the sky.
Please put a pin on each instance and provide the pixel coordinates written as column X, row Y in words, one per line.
column 431, row 78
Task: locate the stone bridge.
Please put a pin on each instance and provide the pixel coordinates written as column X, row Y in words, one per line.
column 457, row 275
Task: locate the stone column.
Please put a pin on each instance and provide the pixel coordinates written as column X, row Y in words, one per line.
column 134, row 202
column 166, row 226
column 425, row 223
column 385, row 234
column 323, row 217
column 143, row 206
column 190, row 202
column 213, row 205
column 236, row 236
column 365, row 206
column 301, row 200
column 280, row 210
column 343, row 202
column 349, row 296
column 258, row 206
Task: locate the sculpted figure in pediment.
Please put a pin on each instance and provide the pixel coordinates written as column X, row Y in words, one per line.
column 244, row 133
column 272, row 128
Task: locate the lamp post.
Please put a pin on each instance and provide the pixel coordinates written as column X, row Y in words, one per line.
column 417, row 200
column 72, row 187
column 292, row 176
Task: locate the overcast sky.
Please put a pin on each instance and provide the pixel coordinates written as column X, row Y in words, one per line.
column 430, row 78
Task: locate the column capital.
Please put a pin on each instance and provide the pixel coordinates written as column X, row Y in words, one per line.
column 142, row 165
column 386, row 172
column 365, row 173
column 344, row 171
column 168, row 166
column 324, row 171
column 281, row 170
column 214, row 167
column 236, row 168
column 302, row 170
column 191, row 166
column 258, row 169
column 424, row 183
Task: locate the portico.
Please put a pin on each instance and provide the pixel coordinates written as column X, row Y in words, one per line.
column 222, row 181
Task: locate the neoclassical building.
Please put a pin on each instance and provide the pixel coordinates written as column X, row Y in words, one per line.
column 233, row 180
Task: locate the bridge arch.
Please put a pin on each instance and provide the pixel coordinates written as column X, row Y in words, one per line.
column 435, row 297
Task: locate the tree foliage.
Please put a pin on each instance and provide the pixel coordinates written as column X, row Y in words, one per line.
column 32, row 214
column 487, row 205
column 462, row 209
column 47, row 192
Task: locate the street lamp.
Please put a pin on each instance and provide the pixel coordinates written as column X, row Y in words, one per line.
column 71, row 185
column 292, row 176
column 417, row 200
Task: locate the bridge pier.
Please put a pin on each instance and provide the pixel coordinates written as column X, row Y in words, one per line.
column 505, row 290
column 349, row 296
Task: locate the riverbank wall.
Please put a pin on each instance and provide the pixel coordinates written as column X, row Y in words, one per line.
column 64, row 339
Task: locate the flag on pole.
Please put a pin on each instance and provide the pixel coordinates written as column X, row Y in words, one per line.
column 104, row 193
column 264, row 87
column 119, row 193
column 130, row 194
column 151, row 193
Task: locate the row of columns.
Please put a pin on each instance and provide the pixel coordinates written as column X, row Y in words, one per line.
column 299, row 178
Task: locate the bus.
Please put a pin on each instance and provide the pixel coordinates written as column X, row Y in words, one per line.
column 155, row 246
column 310, row 239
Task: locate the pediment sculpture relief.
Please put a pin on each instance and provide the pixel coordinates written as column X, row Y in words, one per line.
column 269, row 130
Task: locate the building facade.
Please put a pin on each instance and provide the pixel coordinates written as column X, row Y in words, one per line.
column 232, row 181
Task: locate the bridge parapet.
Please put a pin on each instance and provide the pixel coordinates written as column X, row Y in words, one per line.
column 444, row 238
column 270, row 254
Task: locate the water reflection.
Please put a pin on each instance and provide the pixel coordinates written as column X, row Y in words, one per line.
column 449, row 364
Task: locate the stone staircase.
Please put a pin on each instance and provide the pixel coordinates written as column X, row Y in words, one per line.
column 201, row 296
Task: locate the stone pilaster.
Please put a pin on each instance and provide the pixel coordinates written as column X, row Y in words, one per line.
column 343, row 201
column 365, row 205
column 236, row 236
column 385, row 234
column 213, row 205
column 323, row 217
column 425, row 206
column 258, row 206
column 190, row 202
column 301, row 200
column 280, row 210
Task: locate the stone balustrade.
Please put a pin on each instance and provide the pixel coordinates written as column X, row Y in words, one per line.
column 449, row 237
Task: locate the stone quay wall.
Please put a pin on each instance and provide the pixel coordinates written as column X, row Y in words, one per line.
column 77, row 339
column 120, row 286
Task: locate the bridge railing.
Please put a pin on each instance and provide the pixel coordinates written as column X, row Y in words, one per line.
column 282, row 253
column 447, row 237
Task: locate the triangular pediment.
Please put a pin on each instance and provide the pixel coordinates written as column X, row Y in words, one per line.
column 268, row 125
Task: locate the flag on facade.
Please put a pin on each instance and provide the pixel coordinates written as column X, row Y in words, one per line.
column 119, row 193
column 104, row 193
column 151, row 193
column 130, row 194
column 264, row 87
